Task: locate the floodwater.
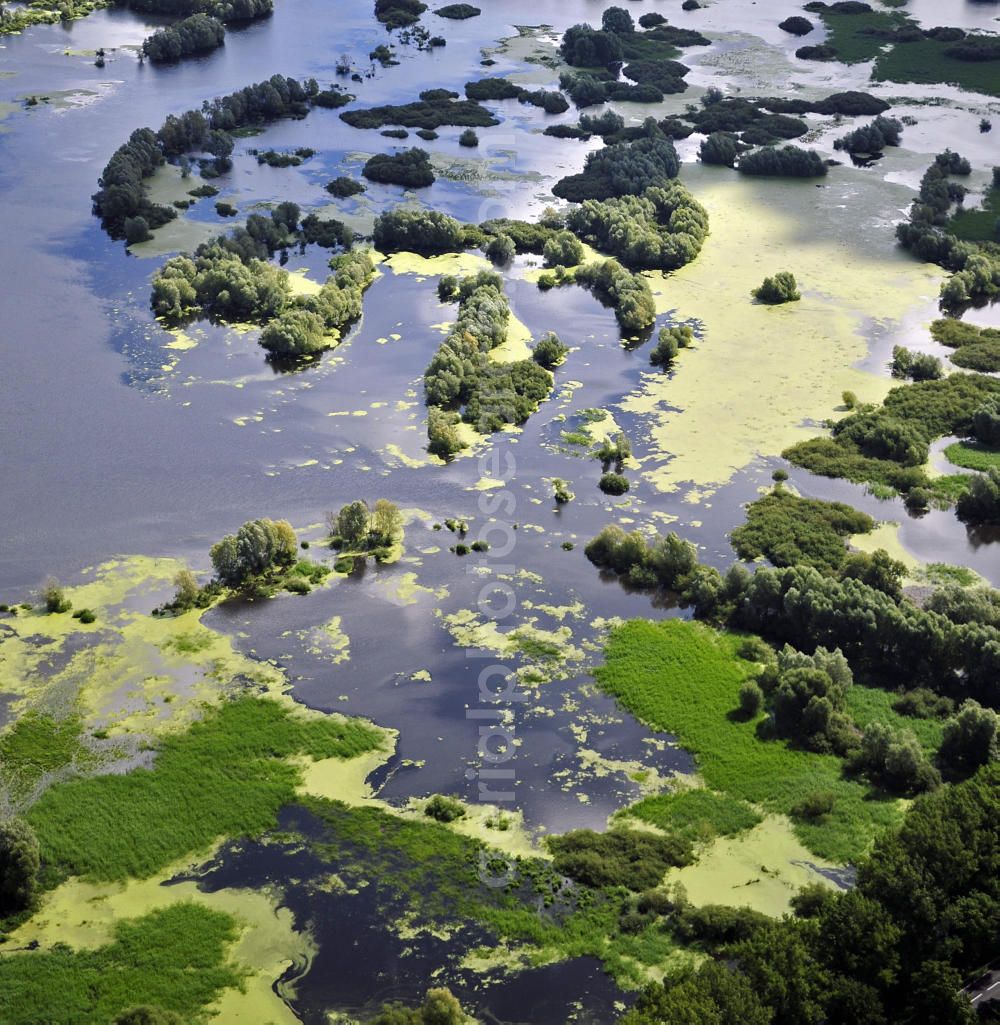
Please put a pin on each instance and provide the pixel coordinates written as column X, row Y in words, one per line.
column 118, row 437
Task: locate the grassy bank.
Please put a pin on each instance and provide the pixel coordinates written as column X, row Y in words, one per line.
column 226, row 776
column 174, row 958
column 684, row 678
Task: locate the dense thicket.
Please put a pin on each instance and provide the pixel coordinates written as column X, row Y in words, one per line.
column 629, row 294
column 882, row 636
column 462, row 377
column 975, row 266
column 197, row 34
column 872, row 138
column 895, row 948
column 791, row 531
column 787, row 162
column 435, row 108
column 122, row 193
column 418, row 231
column 623, row 169
column 411, row 168
column 662, row 229
column 890, row 444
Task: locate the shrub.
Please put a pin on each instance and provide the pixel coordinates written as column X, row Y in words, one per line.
column 563, row 250
column 815, row 805
column 916, row 365
column 796, row 25
column 788, row 161
column 782, row 288
column 137, row 230
column 469, row 138
column 224, row 209
column 751, row 699
column 444, row 809
column 549, row 352
column 561, row 492
column 613, row 484
column 500, row 249
column 344, row 188
column 719, row 148
column 54, row 597
column 19, row 866
column 411, row 168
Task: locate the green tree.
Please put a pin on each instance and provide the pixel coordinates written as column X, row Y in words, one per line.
column 970, row 739
column 751, row 699
column 258, row 546
column 501, row 249
column 19, row 865
column 55, row 597
column 782, row 288
column 618, row 20
column 351, row 524
column 386, row 523
column 549, row 351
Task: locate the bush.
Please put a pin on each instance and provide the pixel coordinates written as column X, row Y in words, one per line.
column 620, row 857
column 344, row 188
column 442, row 433
column 782, row 288
column 54, row 597
column 444, row 809
column 719, row 148
column 137, row 230
column 418, row 231
column 623, row 168
column 224, row 209
column 613, row 484
column 500, row 249
column 469, row 138
column 259, row 547
column 916, row 365
column 563, row 250
column 19, row 866
column 796, row 25
column 411, row 168
column 788, row 161
column 561, row 492
column 981, row 502
column 816, row 805
column 751, row 699
column 669, row 341
column 549, row 352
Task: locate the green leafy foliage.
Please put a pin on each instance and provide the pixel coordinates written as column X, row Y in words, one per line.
column 174, row 958
column 790, row 531
column 112, row 827
column 411, row 168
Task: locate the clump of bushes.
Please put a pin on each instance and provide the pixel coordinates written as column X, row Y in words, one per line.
column 411, row 168
column 549, row 351
column 785, row 162
column 444, row 809
column 669, row 341
column 344, row 188
column 781, row 288
column 613, row 484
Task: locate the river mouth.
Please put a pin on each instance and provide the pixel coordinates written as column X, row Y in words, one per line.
column 123, row 437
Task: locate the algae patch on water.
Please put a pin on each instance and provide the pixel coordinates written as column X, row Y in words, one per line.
column 762, row 372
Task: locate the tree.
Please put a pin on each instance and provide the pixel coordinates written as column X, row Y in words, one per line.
column 719, row 148
column 501, row 249
column 986, row 422
column 386, row 523
column 19, row 865
column 777, row 290
column 295, row 332
column 618, row 20
column 442, row 432
column 257, row 547
column 137, row 230
column 549, row 351
column 563, row 250
column 970, row 739
column 55, row 597
column 669, row 341
column 188, row 591
column 469, row 138
column 981, row 502
column 351, row 524
column 751, row 699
